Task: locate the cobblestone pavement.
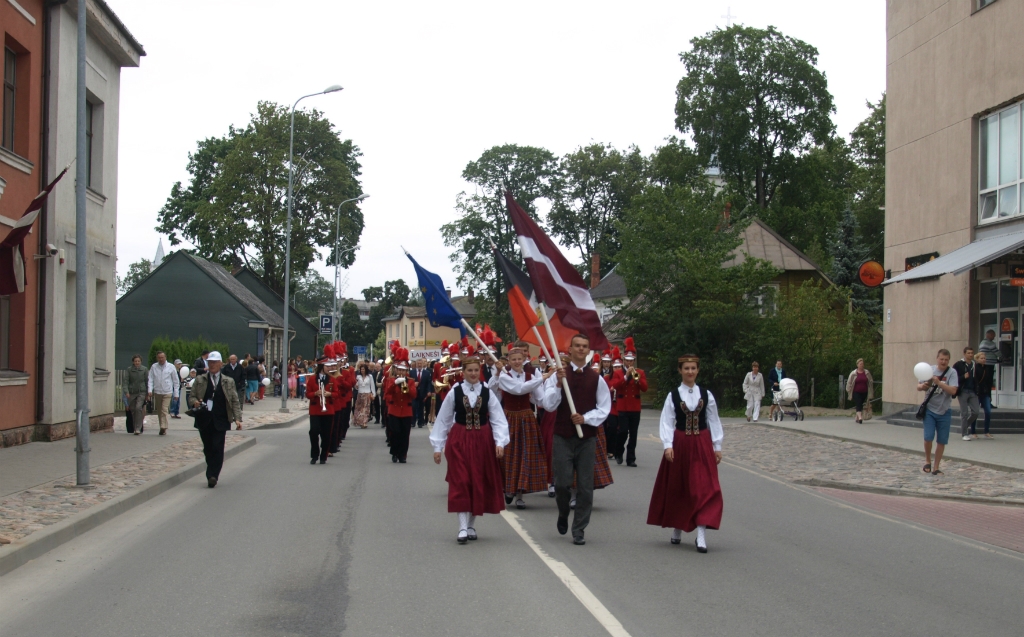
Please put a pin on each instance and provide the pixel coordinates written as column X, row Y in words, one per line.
column 997, row 525
column 803, row 458
column 28, row 511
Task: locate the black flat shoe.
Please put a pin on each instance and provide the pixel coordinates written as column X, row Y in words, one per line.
column 462, row 540
column 508, row 499
column 563, row 526
column 700, row 549
column 630, row 464
column 520, row 504
column 578, row 540
column 394, row 458
column 313, row 461
column 401, row 461
column 618, row 459
column 675, row 541
column 211, row 482
column 323, row 462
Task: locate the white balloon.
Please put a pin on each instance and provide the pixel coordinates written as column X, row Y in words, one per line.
column 266, row 382
column 923, row 371
column 184, row 372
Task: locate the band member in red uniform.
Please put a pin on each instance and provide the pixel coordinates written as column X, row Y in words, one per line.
column 321, row 412
column 525, row 458
column 346, row 381
column 400, row 412
column 686, row 494
column 629, row 405
column 615, row 378
column 472, row 433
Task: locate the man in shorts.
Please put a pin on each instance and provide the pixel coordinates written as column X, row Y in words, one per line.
column 938, row 414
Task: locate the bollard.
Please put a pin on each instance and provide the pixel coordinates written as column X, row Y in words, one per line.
column 842, row 393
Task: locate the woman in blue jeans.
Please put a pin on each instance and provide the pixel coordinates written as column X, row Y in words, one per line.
column 984, row 381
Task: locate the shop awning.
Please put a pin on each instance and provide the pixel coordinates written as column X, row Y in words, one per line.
column 966, row 258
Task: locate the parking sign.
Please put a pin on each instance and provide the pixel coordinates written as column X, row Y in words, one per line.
column 326, row 324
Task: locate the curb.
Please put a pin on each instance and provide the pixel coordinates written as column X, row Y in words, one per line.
column 41, row 542
column 879, row 445
column 846, row 486
column 281, row 425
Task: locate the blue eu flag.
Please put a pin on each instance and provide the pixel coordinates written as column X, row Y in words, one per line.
column 440, row 311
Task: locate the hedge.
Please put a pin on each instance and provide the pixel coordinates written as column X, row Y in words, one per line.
column 187, row 351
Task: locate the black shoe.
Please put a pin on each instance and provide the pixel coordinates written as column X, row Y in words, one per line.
column 462, row 540
column 551, row 493
column 675, row 540
column 324, row 461
column 401, row 461
column 211, row 482
column 578, row 540
column 313, row 461
column 508, row 498
column 563, row 526
column 630, row 464
column 618, row 459
column 394, row 458
column 700, row 549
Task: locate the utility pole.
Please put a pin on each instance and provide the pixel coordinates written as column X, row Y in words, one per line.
column 82, row 376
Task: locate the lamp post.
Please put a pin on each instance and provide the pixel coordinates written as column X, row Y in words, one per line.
column 337, row 257
column 288, row 231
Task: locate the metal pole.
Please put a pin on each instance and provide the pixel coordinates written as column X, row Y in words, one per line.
column 81, row 272
column 336, row 329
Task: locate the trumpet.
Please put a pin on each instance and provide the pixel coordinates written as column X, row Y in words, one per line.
column 635, row 375
column 405, row 385
column 451, row 372
column 320, row 390
column 440, row 387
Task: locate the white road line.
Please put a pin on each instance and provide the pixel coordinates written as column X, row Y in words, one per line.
column 573, row 583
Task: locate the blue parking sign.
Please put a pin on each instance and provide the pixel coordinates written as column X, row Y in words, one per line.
column 326, row 324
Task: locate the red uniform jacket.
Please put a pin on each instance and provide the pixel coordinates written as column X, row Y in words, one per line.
column 615, row 382
column 314, row 400
column 629, row 392
column 345, row 380
column 400, row 401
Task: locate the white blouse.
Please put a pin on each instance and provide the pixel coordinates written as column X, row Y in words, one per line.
column 595, row 417
column 668, row 416
column 517, row 384
column 366, row 384
column 446, row 416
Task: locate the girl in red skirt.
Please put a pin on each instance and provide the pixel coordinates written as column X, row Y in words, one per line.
column 687, row 495
column 526, row 468
column 472, row 432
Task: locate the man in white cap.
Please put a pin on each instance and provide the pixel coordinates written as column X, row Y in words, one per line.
column 215, row 408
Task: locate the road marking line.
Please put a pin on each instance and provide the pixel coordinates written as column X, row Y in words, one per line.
column 573, row 583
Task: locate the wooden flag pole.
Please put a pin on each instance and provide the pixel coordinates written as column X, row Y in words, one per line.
column 540, row 340
column 479, row 340
column 565, row 381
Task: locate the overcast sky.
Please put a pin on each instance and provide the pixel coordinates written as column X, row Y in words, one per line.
column 429, row 86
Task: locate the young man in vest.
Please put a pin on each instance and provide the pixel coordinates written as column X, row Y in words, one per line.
column 571, row 452
column 216, row 407
column 635, row 383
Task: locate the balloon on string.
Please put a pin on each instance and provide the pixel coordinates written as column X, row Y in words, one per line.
column 266, row 382
column 183, row 372
column 923, row 371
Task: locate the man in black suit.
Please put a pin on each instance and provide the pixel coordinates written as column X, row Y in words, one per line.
column 421, row 380
column 236, row 372
column 215, row 402
column 378, row 400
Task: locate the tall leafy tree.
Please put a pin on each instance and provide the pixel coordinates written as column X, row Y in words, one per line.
column 312, row 293
column 594, row 184
column 389, row 297
column 868, row 144
column 753, row 100
column 848, row 254
column 352, row 328
column 136, row 273
column 234, row 208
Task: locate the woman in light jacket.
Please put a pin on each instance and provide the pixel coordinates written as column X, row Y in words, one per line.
column 753, row 391
column 860, row 388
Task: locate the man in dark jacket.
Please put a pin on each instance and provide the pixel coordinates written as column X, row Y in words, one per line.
column 235, row 372
column 424, row 383
column 774, row 377
column 216, row 405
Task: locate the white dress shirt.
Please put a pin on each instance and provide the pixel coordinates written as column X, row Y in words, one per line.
column 517, row 384
column 596, row 416
column 366, row 384
column 163, row 379
column 668, row 416
column 446, row 416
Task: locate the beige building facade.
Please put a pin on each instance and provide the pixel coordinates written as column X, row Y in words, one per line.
column 954, row 188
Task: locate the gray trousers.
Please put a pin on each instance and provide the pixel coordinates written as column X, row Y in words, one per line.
column 137, row 405
column 969, row 409
column 569, row 456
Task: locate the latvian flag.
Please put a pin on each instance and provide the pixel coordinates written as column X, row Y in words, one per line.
column 556, row 283
column 523, row 302
column 12, row 248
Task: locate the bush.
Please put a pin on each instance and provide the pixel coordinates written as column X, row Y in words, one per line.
column 187, row 351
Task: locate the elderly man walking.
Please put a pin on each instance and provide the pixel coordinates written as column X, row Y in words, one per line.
column 163, row 386
column 216, row 405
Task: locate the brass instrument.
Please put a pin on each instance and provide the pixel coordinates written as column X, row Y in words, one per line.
column 320, row 390
column 440, row 387
column 451, row 372
column 445, row 360
column 634, row 374
column 405, row 385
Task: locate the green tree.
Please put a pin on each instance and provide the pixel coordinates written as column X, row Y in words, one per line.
column 389, row 297
column 676, row 164
column 312, row 293
column 234, row 207
column 753, row 100
column 848, row 254
column 352, row 328
column 868, row 144
column 136, row 273
column 594, row 185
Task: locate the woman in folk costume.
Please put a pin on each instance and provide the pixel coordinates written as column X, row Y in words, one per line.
column 525, row 467
column 687, row 495
column 400, row 413
column 472, row 433
column 321, row 412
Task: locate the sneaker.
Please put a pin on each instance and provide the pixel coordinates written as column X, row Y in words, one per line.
column 967, row 438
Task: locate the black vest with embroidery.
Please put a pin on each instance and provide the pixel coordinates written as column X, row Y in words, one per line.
column 472, row 416
column 691, row 422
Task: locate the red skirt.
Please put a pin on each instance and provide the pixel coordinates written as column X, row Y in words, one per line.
column 526, row 468
column 547, row 437
column 475, row 483
column 686, row 492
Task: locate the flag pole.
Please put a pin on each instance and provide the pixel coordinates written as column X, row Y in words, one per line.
column 479, row 340
column 543, row 347
column 565, row 381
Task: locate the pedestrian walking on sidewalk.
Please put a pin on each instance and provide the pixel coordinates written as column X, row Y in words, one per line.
column 967, row 393
column 236, row 372
column 984, row 383
column 687, row 494
column 138, row 381
column 860, row 388
column 162, row 387
column 775, row 375
column 990, row 349
column 215, row 405
column 938, row 414
column 753, row 391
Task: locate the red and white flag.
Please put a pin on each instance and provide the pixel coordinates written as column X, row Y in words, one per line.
column 556, row 283
column 12, row 249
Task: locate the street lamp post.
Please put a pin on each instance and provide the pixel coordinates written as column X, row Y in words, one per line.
column 288, row 232
column 337, row 258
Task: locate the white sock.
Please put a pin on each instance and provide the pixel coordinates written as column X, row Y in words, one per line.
column 463, row 521
column 700, row 537
column 677, row 534
column 472, row 521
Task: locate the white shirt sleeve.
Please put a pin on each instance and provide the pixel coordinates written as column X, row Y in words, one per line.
column 714, row 423
column 519, row 386
column 445, row 420
column 667, row 426
column 175, row 382
column 152, row 374
column 552, row 394
column 499, row 425
column 596, row 416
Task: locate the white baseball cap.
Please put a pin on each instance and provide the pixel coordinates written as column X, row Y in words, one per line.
column 214, row 356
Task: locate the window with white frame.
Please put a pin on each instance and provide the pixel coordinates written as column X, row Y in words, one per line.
column 999, row 172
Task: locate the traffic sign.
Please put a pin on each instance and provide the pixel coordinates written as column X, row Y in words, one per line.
column 359, row 350
column 326, row 324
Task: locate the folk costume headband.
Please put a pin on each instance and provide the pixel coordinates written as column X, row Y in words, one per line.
column 689, row 358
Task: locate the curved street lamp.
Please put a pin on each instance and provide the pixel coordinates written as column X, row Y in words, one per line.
column 334, row 88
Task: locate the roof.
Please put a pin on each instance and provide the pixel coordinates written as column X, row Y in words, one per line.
column 611, row 286
column 253, row 277
column 120, row 26
column 965, row 258
column 761, row 242
column 235, row 288
column 460, row 303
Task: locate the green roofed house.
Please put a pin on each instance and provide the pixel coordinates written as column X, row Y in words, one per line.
column 306, row 333
column 188, row 297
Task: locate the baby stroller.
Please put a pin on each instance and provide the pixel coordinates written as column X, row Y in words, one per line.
column 788, row 394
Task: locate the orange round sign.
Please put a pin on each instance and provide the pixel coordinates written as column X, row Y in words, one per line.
column 871, row 274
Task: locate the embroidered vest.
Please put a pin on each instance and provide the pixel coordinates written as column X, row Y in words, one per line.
column 691, row 422
column 472, row 416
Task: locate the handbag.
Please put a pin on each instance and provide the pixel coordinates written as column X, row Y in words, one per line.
column 924, row 406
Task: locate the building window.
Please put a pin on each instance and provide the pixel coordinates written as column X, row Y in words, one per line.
column 10, row 97
column 984, row 3
column 999, row 172
column 88, row 144
column 765, row 299
column 5, row 332
column 100, row 326
column 421, row 329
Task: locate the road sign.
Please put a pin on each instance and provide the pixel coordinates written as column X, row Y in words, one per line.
column 359, row 350
column 326, row 324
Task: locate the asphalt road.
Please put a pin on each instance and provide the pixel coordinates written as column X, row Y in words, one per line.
column 362, row 546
